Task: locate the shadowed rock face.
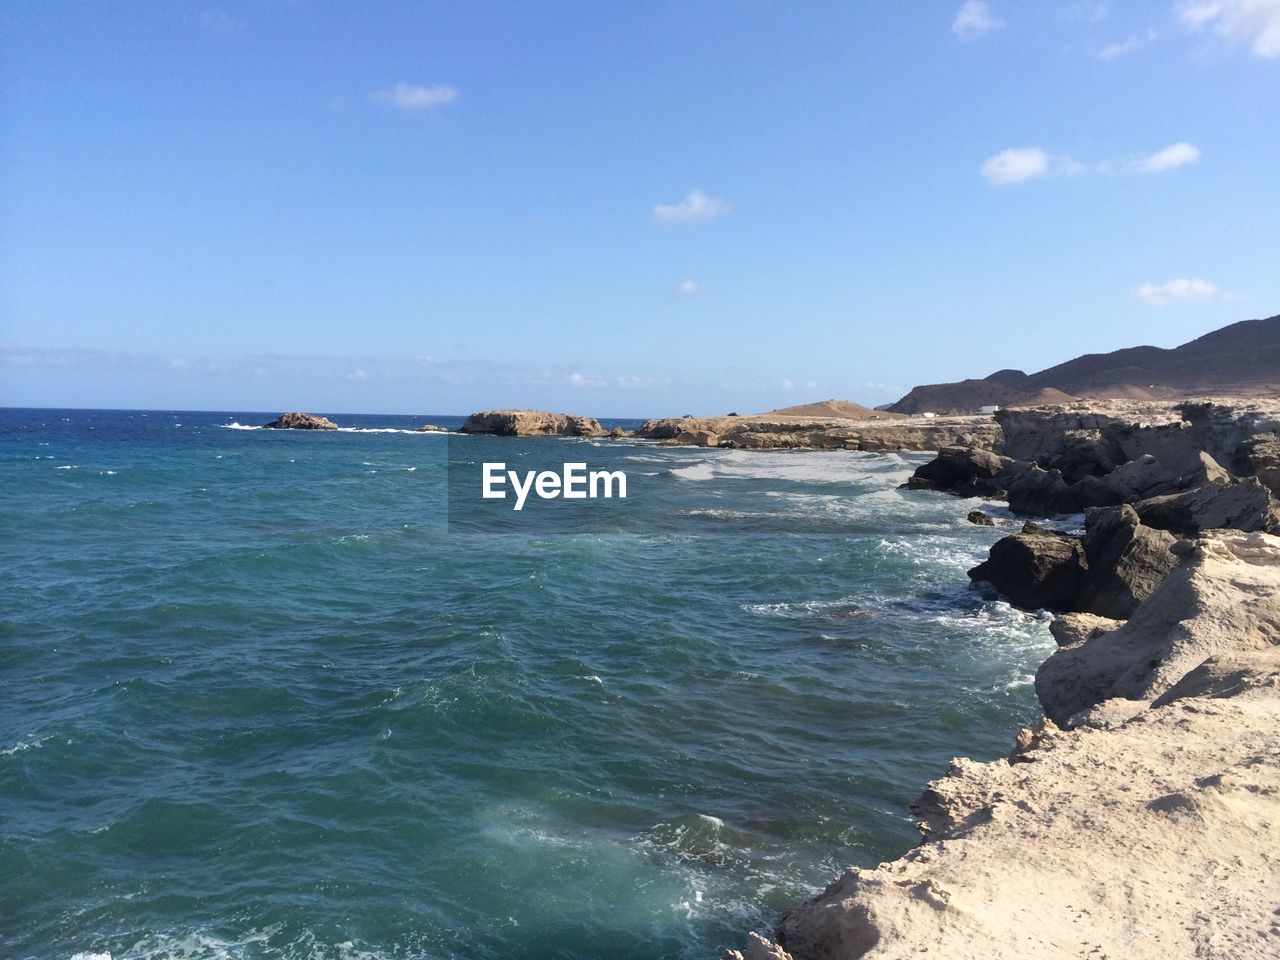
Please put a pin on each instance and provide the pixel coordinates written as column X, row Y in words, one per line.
column 1036, row 568
column 1118, row 564
column 531, row 423
column 301, row 421
column 1127, row 561
column 1245, row 505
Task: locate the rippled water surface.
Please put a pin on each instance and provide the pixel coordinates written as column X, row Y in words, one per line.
column 260, row 701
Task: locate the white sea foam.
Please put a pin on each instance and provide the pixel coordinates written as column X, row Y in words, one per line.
column 24, row 745
column 420, row 433
column 68, row 466
column 808, row 466
column 697, row 471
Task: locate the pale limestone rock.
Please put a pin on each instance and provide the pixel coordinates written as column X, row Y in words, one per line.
column 531, row 423
column 1223, row 599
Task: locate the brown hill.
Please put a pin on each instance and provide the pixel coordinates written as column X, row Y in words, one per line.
column 1242, row 359
column 837, row 409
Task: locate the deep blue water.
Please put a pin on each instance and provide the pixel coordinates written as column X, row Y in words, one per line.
column 261, row 700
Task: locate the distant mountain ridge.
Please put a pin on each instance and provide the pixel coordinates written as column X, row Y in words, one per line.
column 1242, row 359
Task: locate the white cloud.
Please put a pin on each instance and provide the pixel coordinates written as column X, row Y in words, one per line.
column 690, row 288
column 1181, row 290
column 1015, row 166
column 579, row 380
column 412, row 98
column 1255, row 22
column 1031, row 163
column 973, row 19
column 1114, row 51
column 358, row 374
column 1174, row 155
column 697, row 207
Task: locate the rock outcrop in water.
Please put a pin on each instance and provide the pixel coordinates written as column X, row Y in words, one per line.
column 301, row 421
column 1144, row 829
column 531, row 423
column 1117, row 564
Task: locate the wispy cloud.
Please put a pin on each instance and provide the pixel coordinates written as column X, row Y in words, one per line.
column 1180, row 290
column 1172, row 156
column 690, row 288
column 1015, row 166
column 1252, row 22
column 1122, row 48
column 1033, row 163
column 973, row 19
column 412, row 98
column 697, row 207
column 596, row 381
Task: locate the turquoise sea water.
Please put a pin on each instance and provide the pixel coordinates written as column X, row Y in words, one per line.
column 260, row 700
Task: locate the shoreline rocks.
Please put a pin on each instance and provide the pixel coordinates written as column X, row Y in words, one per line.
column 1147, row 800
column 1185, row 467
column 300, row 421
column 797, row 432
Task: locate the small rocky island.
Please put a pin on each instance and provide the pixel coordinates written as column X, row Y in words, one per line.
column 300, row 421
column 531, row 423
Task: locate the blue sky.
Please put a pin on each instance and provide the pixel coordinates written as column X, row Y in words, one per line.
column 619, row 209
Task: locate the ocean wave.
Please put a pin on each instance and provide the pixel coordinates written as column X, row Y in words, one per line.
column 702, row 470
column 814, row 466
column 234, row 425
column 420, row 433
column 22, row 745
column 200, row 945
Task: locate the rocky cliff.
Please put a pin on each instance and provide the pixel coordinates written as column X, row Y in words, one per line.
column 1148, row 828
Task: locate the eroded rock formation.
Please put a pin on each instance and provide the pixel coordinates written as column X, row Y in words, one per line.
column 531, row 423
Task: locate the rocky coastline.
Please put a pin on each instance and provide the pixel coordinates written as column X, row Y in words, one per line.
column 1141, row 816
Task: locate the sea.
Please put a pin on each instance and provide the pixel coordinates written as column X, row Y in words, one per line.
column 268, row 694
